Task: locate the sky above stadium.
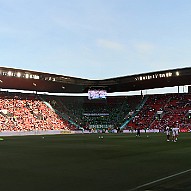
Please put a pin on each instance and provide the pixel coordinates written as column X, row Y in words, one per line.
column 95, row 39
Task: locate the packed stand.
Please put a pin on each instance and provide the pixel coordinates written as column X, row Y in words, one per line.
column 176, row 111
column 160, row 111
column 19, row 112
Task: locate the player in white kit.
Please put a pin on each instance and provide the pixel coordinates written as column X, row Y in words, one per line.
column 168, row 133
column 175, row 132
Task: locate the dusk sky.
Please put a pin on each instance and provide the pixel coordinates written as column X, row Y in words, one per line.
column 95, row 39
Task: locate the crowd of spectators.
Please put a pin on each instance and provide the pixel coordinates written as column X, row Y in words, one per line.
column 29, row 112
column 20, row 112
column 160, row 111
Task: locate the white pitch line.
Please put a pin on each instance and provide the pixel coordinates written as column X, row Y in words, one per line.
column 161, row 179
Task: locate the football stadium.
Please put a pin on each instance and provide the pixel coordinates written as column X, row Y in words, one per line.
column 50, row 140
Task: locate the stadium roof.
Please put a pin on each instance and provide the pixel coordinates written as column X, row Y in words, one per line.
column 12, row 78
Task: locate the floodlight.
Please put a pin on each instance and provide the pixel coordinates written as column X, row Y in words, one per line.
column 18, row 74
column 9, row 73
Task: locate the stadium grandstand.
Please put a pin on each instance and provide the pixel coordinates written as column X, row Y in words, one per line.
column 83, row 136
column 39, row 104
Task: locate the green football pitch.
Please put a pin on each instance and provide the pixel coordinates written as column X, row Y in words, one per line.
column 118, row 162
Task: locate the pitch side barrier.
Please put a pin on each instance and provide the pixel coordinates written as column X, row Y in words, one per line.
column 26, row 133
column 51, row 132
column 57, row 132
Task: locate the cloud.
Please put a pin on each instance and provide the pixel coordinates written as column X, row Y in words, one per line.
column 108, row 44
column 144, row 48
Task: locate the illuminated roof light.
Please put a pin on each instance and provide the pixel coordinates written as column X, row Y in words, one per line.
column 141, row 78
column 36, row 77
column 27, row 75
column 177, row 73
column 63, row 87
column 9, row 73
column 18, row 74
column 34, row 84
column 1, row 81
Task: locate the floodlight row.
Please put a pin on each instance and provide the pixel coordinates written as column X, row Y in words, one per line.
column 20, row 74
column 157, row 75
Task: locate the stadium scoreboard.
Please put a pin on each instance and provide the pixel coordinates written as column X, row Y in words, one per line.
column 97, row 93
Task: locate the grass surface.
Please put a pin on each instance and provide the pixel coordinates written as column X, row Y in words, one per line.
column 118, row 162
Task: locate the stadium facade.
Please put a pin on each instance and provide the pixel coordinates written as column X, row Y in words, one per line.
column 19, row 79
